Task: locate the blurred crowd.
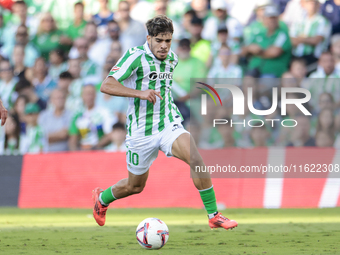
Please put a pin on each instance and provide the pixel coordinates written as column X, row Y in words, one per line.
column 55, row 54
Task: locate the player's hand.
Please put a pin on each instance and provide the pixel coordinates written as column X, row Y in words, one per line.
column 150, row 95
column 3, row 114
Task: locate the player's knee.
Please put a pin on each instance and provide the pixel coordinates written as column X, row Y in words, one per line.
column 136, row 189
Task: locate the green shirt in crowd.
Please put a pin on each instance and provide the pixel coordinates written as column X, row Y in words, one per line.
column 74, row 31
column 274, row 66
column 201, row 50
column 46, row 42
column 187, row 69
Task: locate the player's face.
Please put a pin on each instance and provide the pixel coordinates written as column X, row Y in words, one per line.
column 160, row 45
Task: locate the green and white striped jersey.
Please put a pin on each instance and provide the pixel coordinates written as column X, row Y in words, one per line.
column 139, row 69
column 310, row 27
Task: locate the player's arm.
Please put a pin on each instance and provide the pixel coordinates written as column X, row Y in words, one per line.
column 3, row 114
column 113, row 87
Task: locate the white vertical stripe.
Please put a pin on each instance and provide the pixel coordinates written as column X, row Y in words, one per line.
column 331, row 190
column 156, row 107
column 274, row 186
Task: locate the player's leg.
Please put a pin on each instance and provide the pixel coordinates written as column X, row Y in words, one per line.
column 134, row 184
column 184, row 148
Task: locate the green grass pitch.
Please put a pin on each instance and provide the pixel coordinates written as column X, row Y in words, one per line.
column 260, row 231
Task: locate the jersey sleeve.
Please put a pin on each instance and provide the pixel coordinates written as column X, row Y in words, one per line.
column 127, row 65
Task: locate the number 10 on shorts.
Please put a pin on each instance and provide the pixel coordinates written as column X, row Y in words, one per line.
column 133, row 158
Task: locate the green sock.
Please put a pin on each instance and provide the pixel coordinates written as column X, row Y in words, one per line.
column 209, row 200
column 107, row 196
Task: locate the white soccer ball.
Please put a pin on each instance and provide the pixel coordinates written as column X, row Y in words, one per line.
column 152, row 233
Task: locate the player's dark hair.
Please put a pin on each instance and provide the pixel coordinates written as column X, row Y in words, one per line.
column 118, row 125
column 159, row 25
column 65, row 75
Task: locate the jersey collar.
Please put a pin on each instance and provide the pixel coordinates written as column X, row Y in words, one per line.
column 149, row 52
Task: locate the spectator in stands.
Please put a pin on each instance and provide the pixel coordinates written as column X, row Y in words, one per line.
column 116, row 52
column 2, row 29
column 259, row 135
column 21, row 38
column 132, row 33
column 331, row 10
column 326, row 67
column 49, row 37
column 326, row 101
column 327, row 79
column 89, row 126
column 141, row 11
column 18, row 56
column 117, row 138
column 326, row 121
column 114, row 31
column 222, row 38
column 25, row 88
column 289, row 81
column 116, row 106
column 224, row 68
column 12, row 136
column 19, row 111
column 310, row 36
column 7, row 84
column 98, row 48
column 227, row 133
column 301, row 133
column 34, row 140
column 55, row 122
column 324, row 139
column 74, row 100
column 21, row 17
column 88, row 67
column 298, row 69
column 201, row 9
column 41, row 81
column 77, row 28
column 335, row 49
column 270, row 49
column 294, row 13
column 104, row 15
column 57, row 64
column 186, row 23
column 257, row 26
column 219, row 8
column 187, row 68
column 200, row 48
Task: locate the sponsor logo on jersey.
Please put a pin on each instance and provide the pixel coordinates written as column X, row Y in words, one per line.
column 160, row 76
column 115, row 69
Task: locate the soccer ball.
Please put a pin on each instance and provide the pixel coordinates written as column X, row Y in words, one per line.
column 152, row 233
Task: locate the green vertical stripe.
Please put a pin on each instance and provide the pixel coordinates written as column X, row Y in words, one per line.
column 162, row 107
column 140, row 74
column 171, row 118
column 130, row 120
column 149, row 106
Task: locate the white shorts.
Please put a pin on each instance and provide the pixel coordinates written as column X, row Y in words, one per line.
column 143, row 150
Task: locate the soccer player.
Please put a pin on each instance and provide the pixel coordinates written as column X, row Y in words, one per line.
column 153, row 121
column 3, row 113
